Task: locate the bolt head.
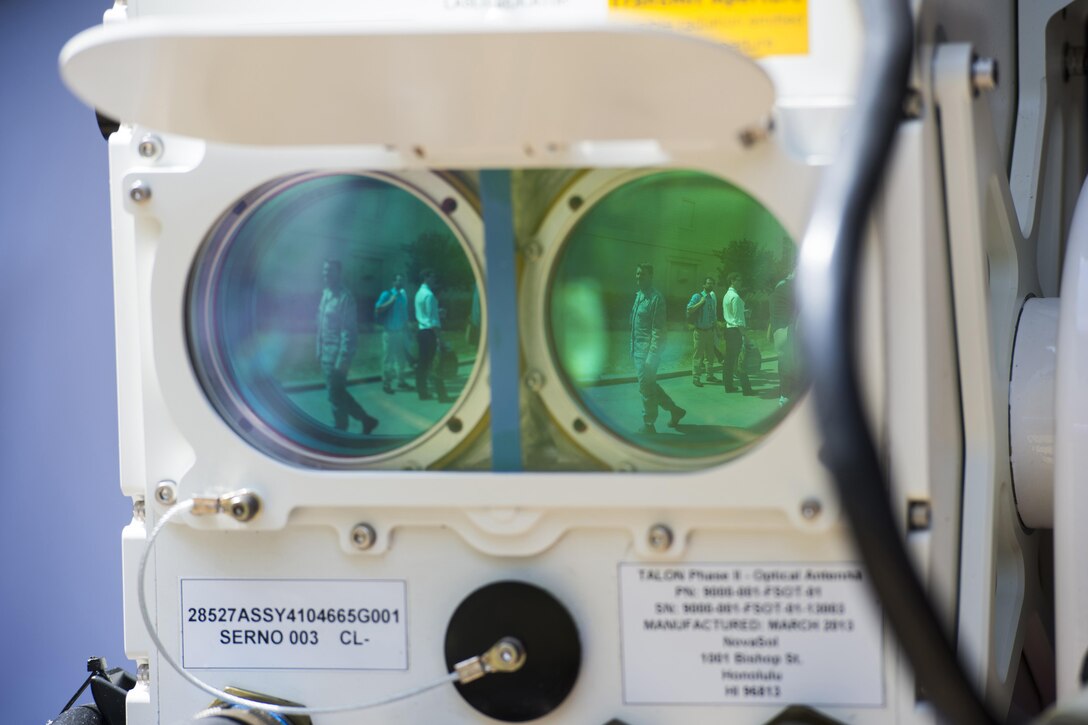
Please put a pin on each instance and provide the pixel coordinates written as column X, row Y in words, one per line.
column 919, row 515
column 139, row 192
column 363, row 536
column 984, row 74
column 659, row 537
column 243, row 507
column 811, row 508
column 166, row 493
column 150, row 147
column 534, row 381
column 533, row 251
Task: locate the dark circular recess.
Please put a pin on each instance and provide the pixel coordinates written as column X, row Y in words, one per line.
column 552, row 647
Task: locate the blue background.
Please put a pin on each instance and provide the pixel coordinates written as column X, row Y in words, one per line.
column 60, row 560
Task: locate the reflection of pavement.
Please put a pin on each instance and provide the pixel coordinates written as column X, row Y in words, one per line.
column 711, row 412
column 402, row 414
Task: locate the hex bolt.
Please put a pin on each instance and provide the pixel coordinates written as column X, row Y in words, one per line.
column 139, row 192
column 166, row 493
column 139, row 508
column 143, row 672
column 983, row 74
column 363, row 536
column 533, row 251
column 150, row 147
column 534, row 381
column 242, row 506
column 659, row 537
column 752, row 135
column 811, row 508
column 919, row 515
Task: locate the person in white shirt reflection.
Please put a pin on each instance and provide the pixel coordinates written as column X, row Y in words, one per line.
column 735, row 321
column 430, row 324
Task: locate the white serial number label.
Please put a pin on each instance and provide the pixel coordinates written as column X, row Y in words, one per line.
column 297, row 624
column 750, row 634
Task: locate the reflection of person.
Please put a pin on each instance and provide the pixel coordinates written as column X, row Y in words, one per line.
column 427, row 316
column 337, row 335
column 391, row 310
column 472, row 329
column 702, row 311
column 734, row 314
column 647, row 343
column 781, row 331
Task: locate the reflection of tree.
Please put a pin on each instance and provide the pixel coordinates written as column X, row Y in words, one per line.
column 442, row 253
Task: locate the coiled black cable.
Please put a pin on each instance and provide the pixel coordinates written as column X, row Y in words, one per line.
column 827, row 281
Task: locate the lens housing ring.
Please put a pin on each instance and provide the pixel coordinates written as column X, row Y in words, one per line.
column 557, row 391
column 450, row 199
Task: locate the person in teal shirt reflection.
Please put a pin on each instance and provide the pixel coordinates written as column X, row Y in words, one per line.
column 703, row 313
column 337, row 336
column 647, row 342
column 391, row 310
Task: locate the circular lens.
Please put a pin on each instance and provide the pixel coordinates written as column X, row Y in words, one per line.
column 672, row 316
column 316, row 316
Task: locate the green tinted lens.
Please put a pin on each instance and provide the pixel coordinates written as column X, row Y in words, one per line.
column 672, row 315
column 316, row 314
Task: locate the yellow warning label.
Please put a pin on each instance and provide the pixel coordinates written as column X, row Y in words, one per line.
column 757, row 27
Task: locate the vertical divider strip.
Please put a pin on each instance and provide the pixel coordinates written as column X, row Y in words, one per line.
column 503, row 342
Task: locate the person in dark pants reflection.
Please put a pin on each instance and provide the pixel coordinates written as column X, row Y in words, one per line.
column 427, row 336
column 391, row 310
column 647, row 343
column 702, row 311
column 337, row 336
column 735, row 321
column 781, row 332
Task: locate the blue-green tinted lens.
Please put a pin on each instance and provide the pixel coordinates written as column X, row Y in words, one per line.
column 316, row 313
column 672, row 315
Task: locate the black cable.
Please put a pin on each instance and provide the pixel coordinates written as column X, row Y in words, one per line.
column 828, row 275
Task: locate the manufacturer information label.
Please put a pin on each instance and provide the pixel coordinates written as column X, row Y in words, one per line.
column 297, row 624
column 750, row 634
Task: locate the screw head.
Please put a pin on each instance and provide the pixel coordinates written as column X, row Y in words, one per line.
column 139, row 192
column 659, row 537
column 150, row 147
column 984, row 74
column 166, row 493
column 243, row 506
column 533, row 251
column 139, row 509
column 534, row 381
column 811, row 508
column 919, row 515
column 363, row 536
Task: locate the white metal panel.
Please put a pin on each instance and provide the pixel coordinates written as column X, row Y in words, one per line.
column 490, row 90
